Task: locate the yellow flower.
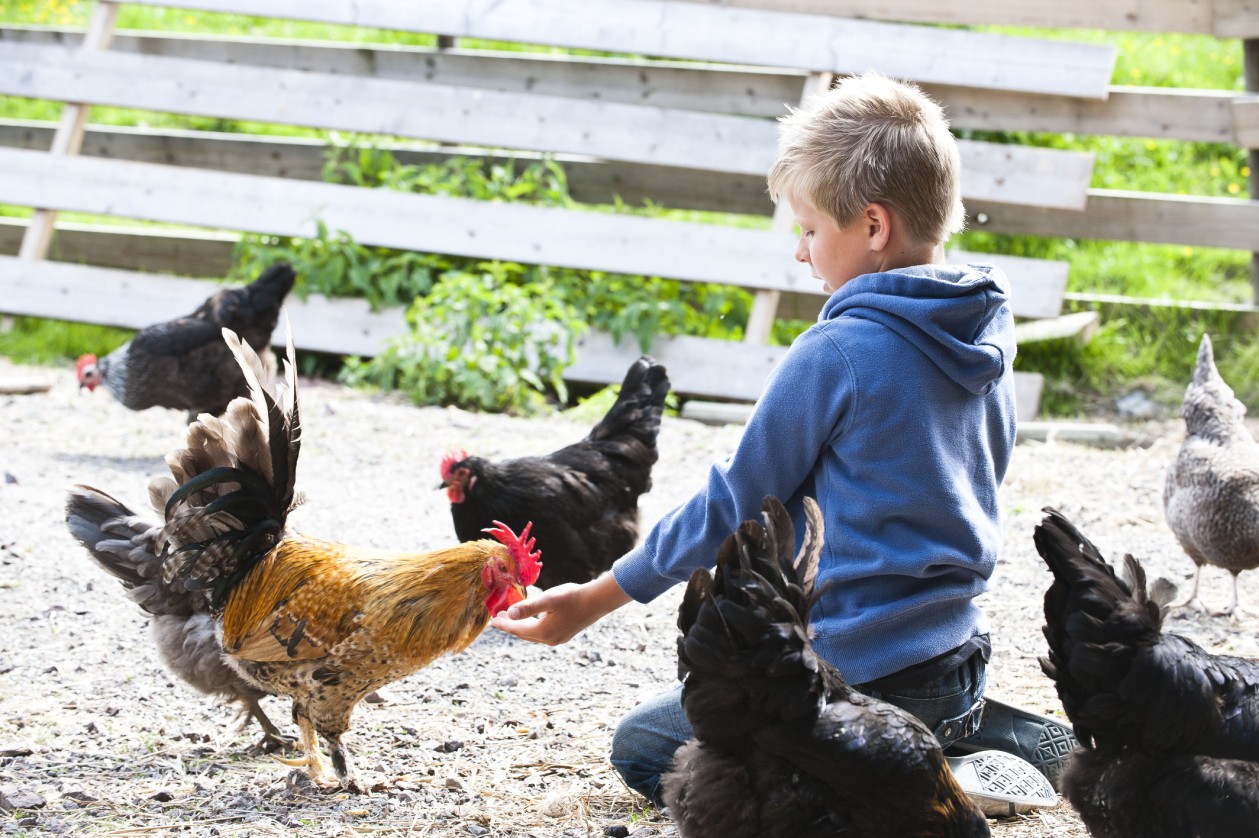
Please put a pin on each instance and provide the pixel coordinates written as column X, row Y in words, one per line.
column 1245, row 171
column 1150, row 145
column 1175, row 50
column 1135, row 72
column 1228, row 59
column 1186, row 251
column 1158, row 42
column 1233, row 189
column 1215, row 171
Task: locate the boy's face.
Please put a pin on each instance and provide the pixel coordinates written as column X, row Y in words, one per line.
column 835, row 255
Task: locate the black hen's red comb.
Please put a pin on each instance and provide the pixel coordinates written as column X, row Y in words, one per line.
column 521, row 547
column 454, row 455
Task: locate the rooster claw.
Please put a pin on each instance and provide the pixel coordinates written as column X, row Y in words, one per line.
column 271, row 743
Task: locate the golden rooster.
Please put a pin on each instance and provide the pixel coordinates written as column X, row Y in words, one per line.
column 321, row 622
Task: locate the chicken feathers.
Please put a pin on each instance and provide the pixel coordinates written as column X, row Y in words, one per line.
column 1211, row 495
column 183, row 628
column 1169, row 733
column 183, row 363
column 583, row 498
column 782, row 745
column 322, row 622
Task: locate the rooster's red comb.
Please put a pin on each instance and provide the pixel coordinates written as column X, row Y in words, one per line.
column 84, row 360
column 521, row 547
column 454, row 455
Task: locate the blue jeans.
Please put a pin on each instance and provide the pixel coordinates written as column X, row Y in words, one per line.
column 648, row 736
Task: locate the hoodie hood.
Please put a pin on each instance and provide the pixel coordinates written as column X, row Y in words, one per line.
column 954, row 314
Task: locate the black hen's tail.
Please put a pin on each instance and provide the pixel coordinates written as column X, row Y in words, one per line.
column 748, row 622
column 267, row 292
column 232, row 486
column 1122, row 681
column 636, row 413
column 125, row 545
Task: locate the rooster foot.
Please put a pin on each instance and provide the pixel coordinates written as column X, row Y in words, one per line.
column 316, row 767
column 270, row 743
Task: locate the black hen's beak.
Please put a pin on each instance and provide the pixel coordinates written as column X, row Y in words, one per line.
column 442, row 485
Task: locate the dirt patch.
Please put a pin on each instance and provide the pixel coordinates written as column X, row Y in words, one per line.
column 506, row 739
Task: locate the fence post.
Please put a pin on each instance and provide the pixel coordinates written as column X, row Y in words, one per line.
column 68, row 138
column 1250, row 53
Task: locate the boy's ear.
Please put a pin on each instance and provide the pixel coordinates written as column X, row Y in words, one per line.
column 878, row 220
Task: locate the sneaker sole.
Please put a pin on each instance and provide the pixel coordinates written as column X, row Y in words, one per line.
column 1001, row 784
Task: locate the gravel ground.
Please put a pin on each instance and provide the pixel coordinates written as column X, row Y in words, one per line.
column 506, row 739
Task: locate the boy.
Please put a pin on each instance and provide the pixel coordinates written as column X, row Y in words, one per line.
column 895, row 411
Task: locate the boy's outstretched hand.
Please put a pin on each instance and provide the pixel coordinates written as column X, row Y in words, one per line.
column 562, row 612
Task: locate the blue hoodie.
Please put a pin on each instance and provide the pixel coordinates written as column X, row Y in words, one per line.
column 896, row 412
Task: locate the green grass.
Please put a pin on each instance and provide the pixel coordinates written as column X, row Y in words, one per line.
column 1151, row 348
column 54, row 342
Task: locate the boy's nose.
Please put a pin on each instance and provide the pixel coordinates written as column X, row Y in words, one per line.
column 802, row 252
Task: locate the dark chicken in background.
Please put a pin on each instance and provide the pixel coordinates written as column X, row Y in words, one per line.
column 582, row 499
column 182, row 626
column 1169, row 733
column 321, row 622
column 184, row 363
column 1211, row 496
column 783, row 747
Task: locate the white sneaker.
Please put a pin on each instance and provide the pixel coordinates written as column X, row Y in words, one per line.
column 1002, row 785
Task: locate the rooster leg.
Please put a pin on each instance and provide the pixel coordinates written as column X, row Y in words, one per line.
column 313, row 759
column 342, row 764
column 272, row 739
column 1192, row 601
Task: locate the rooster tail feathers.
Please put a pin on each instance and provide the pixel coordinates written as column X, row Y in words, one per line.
column 94, row 519
column 638, row 406
column 232, row 486
column 126, row 547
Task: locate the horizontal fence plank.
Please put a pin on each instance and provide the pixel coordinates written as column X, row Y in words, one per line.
column 589, row 181
column 697, row 366
column 462, row 227
column 719, row 88
column 383, row 106
column 1160, row 113
column 1036, row 285
column 1193, row 115
column 200, row 253
column 670, row 29
column 1146, row 15
column 133, row 300
column 1132, row 216
column 645, row 134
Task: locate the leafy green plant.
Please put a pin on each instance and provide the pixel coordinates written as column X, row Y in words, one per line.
column 337, row 266
column 481, row 342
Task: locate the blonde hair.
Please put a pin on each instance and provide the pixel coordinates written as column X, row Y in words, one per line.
column 872, row 139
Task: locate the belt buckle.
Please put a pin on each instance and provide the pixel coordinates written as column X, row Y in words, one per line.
column 961, row 726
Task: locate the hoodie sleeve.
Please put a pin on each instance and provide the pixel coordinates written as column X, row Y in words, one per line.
column 806, row 399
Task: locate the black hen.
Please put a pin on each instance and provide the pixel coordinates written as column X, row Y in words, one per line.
column 582, row 499
column 783, row 746
column 1169, row 733
column 184, row 363
column 187, row 641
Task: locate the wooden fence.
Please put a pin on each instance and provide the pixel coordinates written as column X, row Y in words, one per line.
column 689, row 127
